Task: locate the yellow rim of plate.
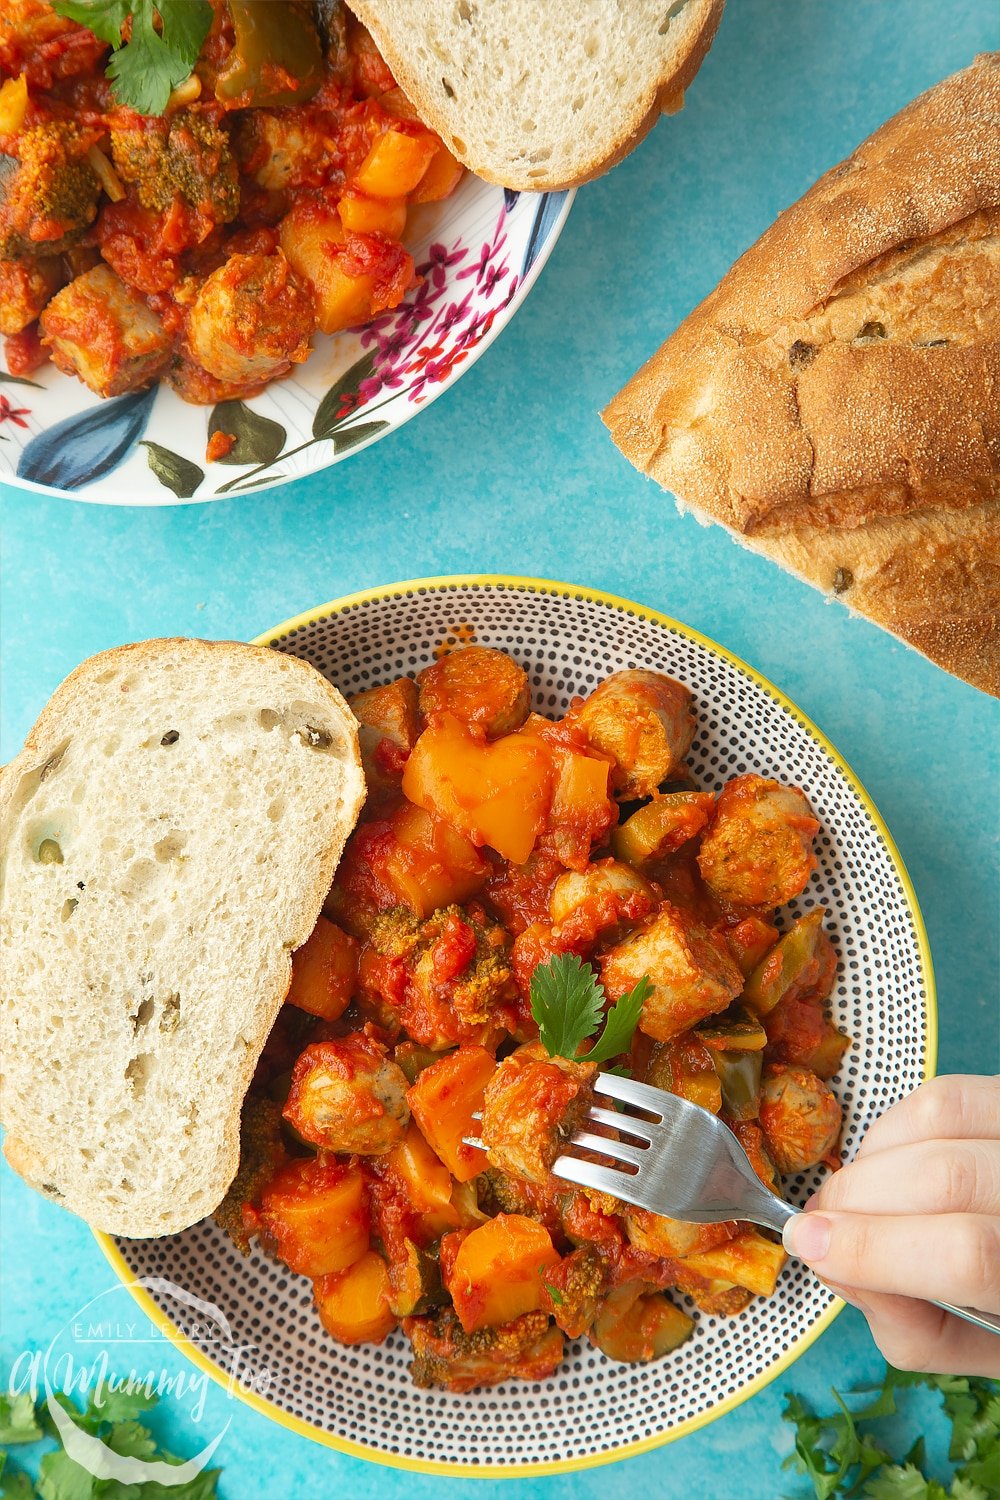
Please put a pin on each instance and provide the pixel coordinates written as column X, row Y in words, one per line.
column 643, row 1445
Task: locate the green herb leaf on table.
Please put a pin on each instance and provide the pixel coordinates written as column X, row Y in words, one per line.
column 110, row 1415
column 18, row 1423
column 145, row 69
column 17, row 1486
column 843, row 1459
column 119, row 1405
column 567, row 1003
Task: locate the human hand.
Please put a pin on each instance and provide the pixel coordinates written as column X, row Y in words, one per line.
column 917, row 1215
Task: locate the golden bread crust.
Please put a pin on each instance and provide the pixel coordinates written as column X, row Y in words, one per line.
column 844, row 377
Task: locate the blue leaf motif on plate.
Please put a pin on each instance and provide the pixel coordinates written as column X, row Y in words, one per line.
column 85, row 447
column 510, row 197
column 550, row 206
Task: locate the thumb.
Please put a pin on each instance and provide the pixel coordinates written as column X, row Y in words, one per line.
column 953, row 1257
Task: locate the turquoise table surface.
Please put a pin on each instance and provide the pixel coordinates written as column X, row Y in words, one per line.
column 513, row 472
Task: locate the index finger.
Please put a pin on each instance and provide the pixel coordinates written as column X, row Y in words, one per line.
column 957, row 1106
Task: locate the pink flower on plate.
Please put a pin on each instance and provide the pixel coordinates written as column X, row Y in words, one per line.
column 439, row 259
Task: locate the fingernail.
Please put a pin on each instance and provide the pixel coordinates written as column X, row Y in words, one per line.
column 807, row 1236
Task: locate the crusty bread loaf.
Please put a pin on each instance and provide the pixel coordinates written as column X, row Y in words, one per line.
column 836, row 400
column 169, row 833
column 541, row 97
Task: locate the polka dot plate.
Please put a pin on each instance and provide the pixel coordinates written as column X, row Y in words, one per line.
column 360, row 1400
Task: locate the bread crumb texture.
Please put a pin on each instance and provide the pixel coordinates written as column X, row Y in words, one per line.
column 836, row 400
column 168, row 834
column 542, row 104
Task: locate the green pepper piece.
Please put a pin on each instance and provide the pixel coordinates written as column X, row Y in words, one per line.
column 661, row 827
column 786, row 964
column 737, row 1030
column 739, row 1073
column 276, row 59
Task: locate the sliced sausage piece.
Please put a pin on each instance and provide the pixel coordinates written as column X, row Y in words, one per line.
column 479, row 686
column 758, row 847
column 645, row 722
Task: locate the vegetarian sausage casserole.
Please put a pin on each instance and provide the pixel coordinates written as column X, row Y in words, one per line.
column 522, row 902
column 200, row 233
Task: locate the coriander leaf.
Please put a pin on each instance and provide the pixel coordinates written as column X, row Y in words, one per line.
column 105, row 18
column 18, row 1422
column 59, row 1478
column 15, row 1485
column 145, row 69
column 86, row 1420
column 902, row 1482
column 553, row 1291
column 984, row 1471
column 622, row 1019
column 962, row 1490
column 131, row 1440
column 566, row 1002
column 201, row 1487
column 119, row 1405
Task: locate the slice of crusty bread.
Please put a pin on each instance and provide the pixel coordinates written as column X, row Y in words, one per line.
column 542, row 96
column 836, row 400
column 168, row 835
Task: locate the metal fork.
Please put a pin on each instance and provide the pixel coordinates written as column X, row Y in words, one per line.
column 682, row 1161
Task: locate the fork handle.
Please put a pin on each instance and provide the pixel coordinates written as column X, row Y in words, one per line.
column 782, row 1212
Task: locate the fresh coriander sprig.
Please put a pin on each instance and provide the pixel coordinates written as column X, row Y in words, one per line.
column 567, row 1002
column 842, row 1458
column 152, row 62
column 111, row 1416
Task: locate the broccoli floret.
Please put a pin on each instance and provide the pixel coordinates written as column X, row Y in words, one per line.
column 396, row 933
column 48, row 195
column 187, row 156
column 262, row 1152
column 576, row 1286
column 445, row 1355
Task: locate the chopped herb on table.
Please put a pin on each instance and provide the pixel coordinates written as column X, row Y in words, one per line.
column 842, row 1456
column 115, row 1422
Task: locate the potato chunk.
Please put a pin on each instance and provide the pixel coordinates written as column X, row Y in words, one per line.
column 498, row 1273
column 444, row 1099
column 531, row 1106
column 481, row 687
column 313, row 1215
column 324, row 972
column 691, row 972
column 645, row 722
column 251, row 321
column 758, row 848
column 800, row 1117
column 348, row 1096
column 25, row 288
column 101, row 331
column 354, row 1304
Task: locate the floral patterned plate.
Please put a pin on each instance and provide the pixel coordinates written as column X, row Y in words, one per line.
column 478, row 254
